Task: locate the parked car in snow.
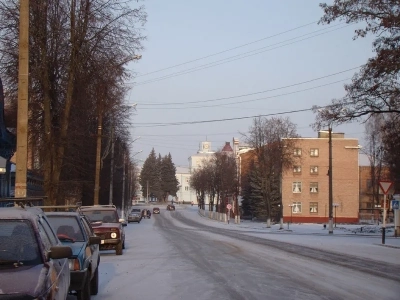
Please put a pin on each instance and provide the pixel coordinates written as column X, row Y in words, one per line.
column 74, row 230
column 33, row 262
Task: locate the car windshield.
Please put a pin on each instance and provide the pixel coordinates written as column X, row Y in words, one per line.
column 67, row 228
column 135, row 210
column 105, row 216
column 18, row 244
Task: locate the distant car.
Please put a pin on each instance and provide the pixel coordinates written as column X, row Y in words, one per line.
column 156, row 210
column 74, row 230
column 135, row 215
column 170, row 207
column 107, row 225
column 33, row 262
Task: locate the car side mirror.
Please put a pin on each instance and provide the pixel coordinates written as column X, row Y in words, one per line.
column 58, row 252
column 94, row 240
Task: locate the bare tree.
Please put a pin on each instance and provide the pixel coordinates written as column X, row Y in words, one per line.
column 80, row 49
column 374, row 152
column 391, row 146
column 375, row 89
column 272, row 143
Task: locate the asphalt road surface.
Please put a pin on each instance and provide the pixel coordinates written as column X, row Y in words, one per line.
column 172, row 257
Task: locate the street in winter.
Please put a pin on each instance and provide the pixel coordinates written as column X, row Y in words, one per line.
column 182, row 255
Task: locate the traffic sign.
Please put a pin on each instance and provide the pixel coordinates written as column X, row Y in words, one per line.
column 229, row 206
column 385, row 186
column 395, row 204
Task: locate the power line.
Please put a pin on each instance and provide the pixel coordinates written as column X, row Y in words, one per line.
column 222, row 120
column 227, row 50
column 237, row 57
column 253, row 100
column 249, row 94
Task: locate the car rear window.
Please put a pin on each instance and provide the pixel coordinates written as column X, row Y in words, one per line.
column 66, row 226
column 105, row 216
column 18, row 243
column 135, row 210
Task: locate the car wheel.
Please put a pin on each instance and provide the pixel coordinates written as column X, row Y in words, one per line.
column 94, row 283
column 84, row 294
column 118, row 250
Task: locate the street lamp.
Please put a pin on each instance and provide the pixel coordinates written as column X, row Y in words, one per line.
column 291, row 214
column 123, row 184
column 335, row 205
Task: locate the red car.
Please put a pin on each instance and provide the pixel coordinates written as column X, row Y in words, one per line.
column 107, row 225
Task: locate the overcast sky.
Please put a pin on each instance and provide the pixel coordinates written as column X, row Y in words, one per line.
column 188, row 61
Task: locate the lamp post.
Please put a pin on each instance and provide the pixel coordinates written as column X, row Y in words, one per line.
column 123, row 182
column 291, row 215
column 330, row 224
column 335, row 205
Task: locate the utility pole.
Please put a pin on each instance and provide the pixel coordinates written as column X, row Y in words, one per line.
column 123, row 189
column 22, row 119
column 330, row 225
column 110, row 198
column 98, row 155
column 147, row 192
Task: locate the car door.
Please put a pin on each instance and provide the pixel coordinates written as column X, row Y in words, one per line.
column 94, row 249
column 59, row 272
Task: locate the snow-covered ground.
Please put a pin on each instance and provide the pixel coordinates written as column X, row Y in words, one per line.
column 347, row 239
column 181, row 255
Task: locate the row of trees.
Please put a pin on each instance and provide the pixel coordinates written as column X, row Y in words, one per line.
column 217, row 179
column 158, row 177
column 272, row 146
column 79, row 50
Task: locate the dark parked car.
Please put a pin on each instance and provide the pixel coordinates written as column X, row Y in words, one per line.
column 33, row 262
column 135, row 215
column 74, row 230
column 107, row 225
column 156, row 210
column 170, row 207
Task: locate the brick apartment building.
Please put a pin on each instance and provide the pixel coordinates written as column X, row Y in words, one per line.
column 305, row 187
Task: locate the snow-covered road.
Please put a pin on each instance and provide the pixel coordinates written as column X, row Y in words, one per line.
column 175, row 256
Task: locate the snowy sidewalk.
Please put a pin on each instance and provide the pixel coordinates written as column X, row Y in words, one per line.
column 347, row 239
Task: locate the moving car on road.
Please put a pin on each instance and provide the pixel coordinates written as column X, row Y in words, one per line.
column 106, row 224
column 170, row 207
column 135, row 215
column 74, row 230
column 33, row 262
column 156, row 210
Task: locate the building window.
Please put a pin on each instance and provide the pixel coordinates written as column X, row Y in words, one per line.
column 369, row 184
column 313, row 207
column 314, row 170
column 297, row 169
column 186, row 188
column 297, row 152
column 296, row 207
column 313, row 187
column 187, row 180
column 296, row 187
column 314, row 152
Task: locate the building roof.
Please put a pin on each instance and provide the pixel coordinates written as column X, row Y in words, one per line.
column 227, row 147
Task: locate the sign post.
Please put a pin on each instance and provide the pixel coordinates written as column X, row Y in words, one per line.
column 385, row 187
column 396, row 210
column 229, row 207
